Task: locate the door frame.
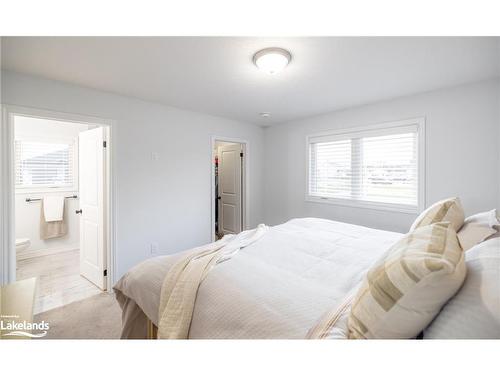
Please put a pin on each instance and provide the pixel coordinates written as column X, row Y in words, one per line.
column 245, row 186
column 7, row 188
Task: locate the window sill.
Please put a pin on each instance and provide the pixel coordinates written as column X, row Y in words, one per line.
column 25, row 191
column 365, row 204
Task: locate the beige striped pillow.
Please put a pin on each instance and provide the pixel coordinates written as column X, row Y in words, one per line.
column 446, row 210
column 405, row 290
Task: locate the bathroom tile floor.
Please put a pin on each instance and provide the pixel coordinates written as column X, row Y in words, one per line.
column 59, row 281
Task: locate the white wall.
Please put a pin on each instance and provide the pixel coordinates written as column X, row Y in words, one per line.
column 462, row 126
column 166, row 201
column 3, row 236
column 498, row 148
column 28, row 214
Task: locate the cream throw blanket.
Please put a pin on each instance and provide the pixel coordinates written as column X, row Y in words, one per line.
column 179, row 289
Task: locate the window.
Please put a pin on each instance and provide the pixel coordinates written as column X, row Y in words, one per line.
column 44, row 164
column 378, row 166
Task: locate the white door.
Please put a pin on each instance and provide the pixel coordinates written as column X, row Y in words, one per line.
column 230, row 174
column 92, row 206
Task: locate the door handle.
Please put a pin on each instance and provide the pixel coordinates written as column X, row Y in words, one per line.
column 78, row 211
column 219, row 198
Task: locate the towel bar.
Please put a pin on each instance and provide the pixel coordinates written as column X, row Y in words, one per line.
column 39, row 199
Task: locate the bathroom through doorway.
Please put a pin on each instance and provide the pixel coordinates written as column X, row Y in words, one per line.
column 61, row 206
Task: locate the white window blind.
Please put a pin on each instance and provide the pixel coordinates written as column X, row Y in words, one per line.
column 44, row 164
column 379, row 166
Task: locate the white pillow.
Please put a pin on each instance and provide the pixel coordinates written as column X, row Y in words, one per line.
column 478, row 228
column 474, row 312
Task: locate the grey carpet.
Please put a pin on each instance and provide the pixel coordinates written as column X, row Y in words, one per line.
column 97, row 317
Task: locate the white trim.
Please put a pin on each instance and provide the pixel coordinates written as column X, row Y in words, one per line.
column 110, row 220
column 371, row 127
column 390, row 127
column 364, row 204
column 6, row 200
column 246, row 181
column 7, row 249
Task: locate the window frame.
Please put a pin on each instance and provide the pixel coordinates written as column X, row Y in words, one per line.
column 73, row 141
column 374, row 130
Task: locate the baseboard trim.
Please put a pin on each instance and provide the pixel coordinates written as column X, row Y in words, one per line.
column 28, row 254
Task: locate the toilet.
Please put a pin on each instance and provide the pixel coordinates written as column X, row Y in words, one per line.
column 22, row 244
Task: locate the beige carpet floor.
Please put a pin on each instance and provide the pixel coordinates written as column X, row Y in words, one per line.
column 96, row 317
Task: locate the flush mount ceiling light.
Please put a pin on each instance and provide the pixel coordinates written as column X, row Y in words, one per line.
column 265, row 114
column 272, row 60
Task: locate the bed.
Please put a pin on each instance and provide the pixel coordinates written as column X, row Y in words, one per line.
column 295, row 275
column 278, row 287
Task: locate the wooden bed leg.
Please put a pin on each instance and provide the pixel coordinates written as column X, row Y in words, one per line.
column 152, row 331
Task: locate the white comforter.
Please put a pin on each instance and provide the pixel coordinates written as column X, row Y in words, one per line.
column 278, row 287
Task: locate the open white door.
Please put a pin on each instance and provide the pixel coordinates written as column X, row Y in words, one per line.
column 230, row 197
column 92, row 206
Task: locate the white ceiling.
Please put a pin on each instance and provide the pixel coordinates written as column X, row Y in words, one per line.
column 215, row 75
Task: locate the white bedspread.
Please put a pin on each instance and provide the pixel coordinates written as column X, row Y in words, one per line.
column 278, row 287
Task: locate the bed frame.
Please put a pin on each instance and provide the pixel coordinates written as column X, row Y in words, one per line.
column 152, row 333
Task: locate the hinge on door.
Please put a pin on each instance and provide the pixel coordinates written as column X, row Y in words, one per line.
column 105, row 272
column 241, row 154
column 104, row 144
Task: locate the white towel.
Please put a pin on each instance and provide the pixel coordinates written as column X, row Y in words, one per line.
column 53, row 208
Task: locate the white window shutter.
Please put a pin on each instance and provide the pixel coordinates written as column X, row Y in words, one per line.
column 376, row 166
column 44, row 164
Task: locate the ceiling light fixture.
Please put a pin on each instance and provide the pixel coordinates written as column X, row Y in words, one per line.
column 265, row 114
column 272, row 60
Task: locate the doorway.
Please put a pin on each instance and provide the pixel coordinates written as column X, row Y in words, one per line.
column 61, row 201
column 229, row 158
